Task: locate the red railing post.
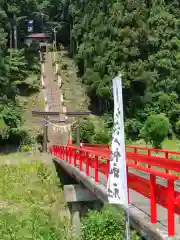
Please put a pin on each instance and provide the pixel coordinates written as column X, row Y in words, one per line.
column 171, row 207
column 96, row 169
column 153, row 208
column 149, row 154
column 70, row 155
column 66, row 154
column 58, row 151
column 87, row 164
column 63, row 153
column 167, row 157
column 135, row 151
column 75, row 160
column 107, row 168
column 80, row 161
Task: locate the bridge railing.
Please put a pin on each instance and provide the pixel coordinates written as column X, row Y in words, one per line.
column 98, row 159
column 136, row 149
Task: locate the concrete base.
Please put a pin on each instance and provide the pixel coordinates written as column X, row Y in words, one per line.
column 78, row 193
column 75, row 219
column 78, row 197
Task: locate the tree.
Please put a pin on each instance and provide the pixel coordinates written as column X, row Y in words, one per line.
column 156, row 129
column 138, row 38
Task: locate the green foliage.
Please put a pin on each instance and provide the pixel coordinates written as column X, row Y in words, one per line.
column 87, row 132
column 156, row 129
column 106, row 225
column 50, row 48
column 101, row 137
column 26, row 148
column 64, row 66
column 109, row 224
column 132, row 128
column 31, row 198
column 178, row 128
column 11, row 115
column 140, row 39
column 15, row 67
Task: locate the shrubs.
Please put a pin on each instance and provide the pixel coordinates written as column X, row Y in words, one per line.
column 155, row 130
column 87, row 131
column 64, row 66
column 108, row 224
column 132, row 128
column 101, row 137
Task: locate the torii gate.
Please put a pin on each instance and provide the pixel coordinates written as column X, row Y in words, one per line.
column 45, row 115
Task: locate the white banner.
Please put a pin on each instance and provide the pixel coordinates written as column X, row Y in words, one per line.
column 117, row 182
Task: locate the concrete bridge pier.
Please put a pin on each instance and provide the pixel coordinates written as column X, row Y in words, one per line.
column 79, row 200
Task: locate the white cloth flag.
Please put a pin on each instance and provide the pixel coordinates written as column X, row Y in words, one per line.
column 117, row 182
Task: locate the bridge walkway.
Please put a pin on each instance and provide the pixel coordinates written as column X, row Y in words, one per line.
column 139, row 207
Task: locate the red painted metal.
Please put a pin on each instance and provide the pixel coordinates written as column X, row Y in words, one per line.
column 96, row 169
column 87, row 163
column 171, row 209
column 80, row 161
column 153, row 198
column 97, row 157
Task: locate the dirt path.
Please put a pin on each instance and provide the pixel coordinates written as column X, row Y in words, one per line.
column 55, row 135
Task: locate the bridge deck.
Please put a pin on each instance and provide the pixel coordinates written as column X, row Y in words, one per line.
column 139, row 208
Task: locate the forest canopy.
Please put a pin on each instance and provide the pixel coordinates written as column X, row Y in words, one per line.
column 139, row 39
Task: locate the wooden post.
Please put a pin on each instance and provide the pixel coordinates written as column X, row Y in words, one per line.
column 45, row 134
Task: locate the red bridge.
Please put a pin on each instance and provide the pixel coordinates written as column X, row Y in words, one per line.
column 153, row 183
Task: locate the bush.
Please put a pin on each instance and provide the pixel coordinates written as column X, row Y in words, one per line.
column 155, row 129
column 101, row 137
column 86, row 132
column 50, row 48
column 26, row 148
column 178, row 128
column 108, row 224
column 132, row 128
column 64, row 66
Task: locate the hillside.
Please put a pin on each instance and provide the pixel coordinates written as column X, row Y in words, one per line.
column 140, row 39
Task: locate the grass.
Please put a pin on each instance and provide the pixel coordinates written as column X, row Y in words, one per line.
column 75, row 97
column 29, row 103
column 172, row 145
column 31, row 201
